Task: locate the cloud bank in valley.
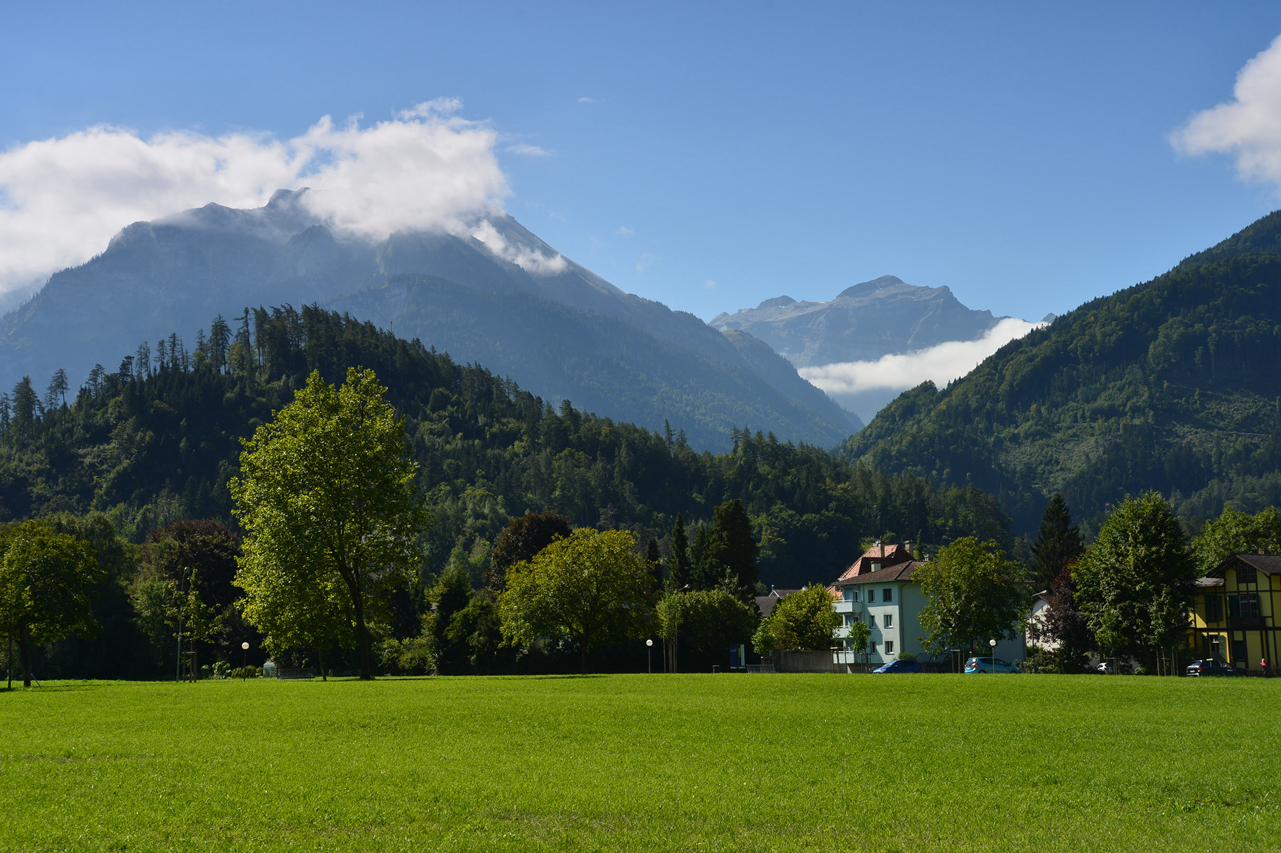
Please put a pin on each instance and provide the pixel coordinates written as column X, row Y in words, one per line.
column 940, row 363
column 1249, row 126
column 62, row 199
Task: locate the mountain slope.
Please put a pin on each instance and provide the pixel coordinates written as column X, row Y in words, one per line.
column 601, row 363
column 174, row 274
column 1172, row 385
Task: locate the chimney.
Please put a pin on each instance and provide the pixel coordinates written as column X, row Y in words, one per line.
column 907, row 546
column 881, row 545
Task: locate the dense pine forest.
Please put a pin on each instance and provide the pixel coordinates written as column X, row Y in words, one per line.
column 157, row 440
column 1172, row 385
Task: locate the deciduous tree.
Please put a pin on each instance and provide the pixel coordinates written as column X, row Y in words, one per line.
column 1135, row 582
column 1235, row 532
column 326, row 496
column 973, row 595
column 591, row 587
column 805, row 620
column 520, row 542
column 46, row 580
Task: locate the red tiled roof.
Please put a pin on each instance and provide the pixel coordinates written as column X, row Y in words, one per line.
column 888, row 556
column 898, row 572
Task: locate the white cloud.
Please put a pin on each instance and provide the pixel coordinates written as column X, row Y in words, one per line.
column 586, row 100
column 624, row 231
column 941, row 363
column 646, row 261
column 529, row 150
column 709, row 284
column 522, row 256
column 62, row 199
column 1248, row 126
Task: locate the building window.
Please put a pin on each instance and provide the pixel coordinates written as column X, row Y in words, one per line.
column 876, row 567
column 854, row 595
column 889, row 620
column 1243, row 606
column 871, row 620
column 1213, row 608
column 871, row 646
column 887, row 595
column 1239, row 654
column 1246, row 574
column 889, row 647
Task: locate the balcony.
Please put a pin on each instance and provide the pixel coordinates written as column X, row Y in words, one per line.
column 843, row 606
column 1247, row 623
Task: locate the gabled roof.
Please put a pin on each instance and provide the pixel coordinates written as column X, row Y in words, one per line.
column 886, row 556
column 1269, row 564
column 898, row 572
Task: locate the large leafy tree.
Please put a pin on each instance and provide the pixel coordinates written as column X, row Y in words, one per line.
column 327, row 499
column 591, row 587
column 47, row 581
column 449, row 595
column 973, row 595
column 1135, row 583
column 520, row 542
column 1235, row 532
column 804, row 620
column 1058, row 542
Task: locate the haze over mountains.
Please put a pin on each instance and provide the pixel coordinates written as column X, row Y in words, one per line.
column 876, row 338
column 497, row 295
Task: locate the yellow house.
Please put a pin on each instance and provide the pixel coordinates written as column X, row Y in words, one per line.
column 1235, row 615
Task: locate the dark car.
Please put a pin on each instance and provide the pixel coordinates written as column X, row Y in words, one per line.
column 898, row 666
column 1213, row 667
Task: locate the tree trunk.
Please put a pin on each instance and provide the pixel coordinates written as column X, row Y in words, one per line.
column 320, row 656
column 366, row 670
column 24, row 643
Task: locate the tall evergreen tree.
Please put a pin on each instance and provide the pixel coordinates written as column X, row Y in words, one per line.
column 731, row 549
column 25, row 402
column 57, row 392
column 219, row 343
column 1057, row 543
column 655, row 561
column 142, row 360
column 679, row 566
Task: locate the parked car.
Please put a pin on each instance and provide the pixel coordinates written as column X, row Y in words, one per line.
column 1213, row 667
column 898, row 666
column 977, row 665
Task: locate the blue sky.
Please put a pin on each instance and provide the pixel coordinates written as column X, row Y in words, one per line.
column 1019, row 153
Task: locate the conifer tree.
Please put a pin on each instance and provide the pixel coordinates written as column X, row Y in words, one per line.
column 1057, row 543
column 679, row 567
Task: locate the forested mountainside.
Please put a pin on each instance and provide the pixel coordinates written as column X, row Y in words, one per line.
column 603, row 364
column 1173, row 385
column 159, row 440
column 173, row 274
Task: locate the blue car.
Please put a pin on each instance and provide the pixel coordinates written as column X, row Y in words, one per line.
column 976, row 665
column 898, row 666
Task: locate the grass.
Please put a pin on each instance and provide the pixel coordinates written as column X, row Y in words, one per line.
column 625, row 762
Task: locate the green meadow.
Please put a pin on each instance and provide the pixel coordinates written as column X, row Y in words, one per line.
column 635, row 762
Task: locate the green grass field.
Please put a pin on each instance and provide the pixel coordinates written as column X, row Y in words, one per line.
column 689, row 762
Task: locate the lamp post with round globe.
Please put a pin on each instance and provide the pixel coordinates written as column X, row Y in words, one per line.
column 244, row 662
column 992, row 643
column 649, row 655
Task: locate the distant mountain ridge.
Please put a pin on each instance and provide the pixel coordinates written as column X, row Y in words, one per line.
column 176, row 273
column 868, row 320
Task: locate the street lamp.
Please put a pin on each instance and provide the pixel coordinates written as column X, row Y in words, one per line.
column 649, row 655
column 177, row 672
column 992, row 643
column 244, row 662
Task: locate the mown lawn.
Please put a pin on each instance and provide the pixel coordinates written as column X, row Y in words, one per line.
column 688, row 762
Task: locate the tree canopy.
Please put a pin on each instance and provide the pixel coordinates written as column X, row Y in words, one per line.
column 327, row 499
column 1135, row 582
column 591, row 587
column 1058, row 542
column 1235, row 532
column 973, row 595
column 804, row 620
